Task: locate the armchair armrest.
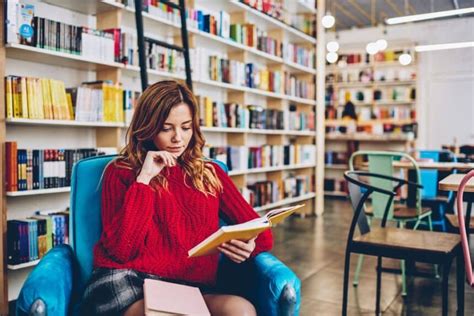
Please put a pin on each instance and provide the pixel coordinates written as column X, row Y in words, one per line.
column 48, row 288
column 268, row 283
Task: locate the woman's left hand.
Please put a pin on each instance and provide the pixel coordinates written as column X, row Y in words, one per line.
column 237, row 250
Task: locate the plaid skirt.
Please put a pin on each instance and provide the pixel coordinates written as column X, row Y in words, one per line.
column 112, row 291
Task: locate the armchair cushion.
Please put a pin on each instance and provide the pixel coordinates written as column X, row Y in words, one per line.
column 48, row 288
column 268, row 283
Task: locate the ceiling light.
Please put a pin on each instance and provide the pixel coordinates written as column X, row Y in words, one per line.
column 428, row 16
column 328, row 20
column 381, row 44
column 371, row 48
column 426, row 48
column 405, row 59
column 332, row 46
column 331, row 57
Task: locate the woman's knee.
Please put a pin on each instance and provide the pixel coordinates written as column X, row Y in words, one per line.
column 227, row 305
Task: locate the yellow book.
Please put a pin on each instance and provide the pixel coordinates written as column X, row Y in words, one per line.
column 47, row 103
column 39, row 99
column 9, row 96
column 16, row 88
column 30, row 85
column 24, row 98
column 67, row 115
column 244, row 231
column 208, row 109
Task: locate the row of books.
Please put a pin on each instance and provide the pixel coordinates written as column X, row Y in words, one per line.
column 365, row 59
column 31, row 238
column 276, row 9
column 335, row 185
column 25, row 27
column 244, row 158
column 368, row 113
column 43, row 98
column 34, row 169
column 221, row 69
column 221, row 114
column 264, row 192
column 356, row 95
column 368, row 76
column 335, row 157
column 408, row 129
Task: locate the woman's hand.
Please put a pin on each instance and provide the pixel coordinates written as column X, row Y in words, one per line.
column 237, row 250
column 154, row 162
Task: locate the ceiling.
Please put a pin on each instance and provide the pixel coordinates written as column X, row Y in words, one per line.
column 365, row 13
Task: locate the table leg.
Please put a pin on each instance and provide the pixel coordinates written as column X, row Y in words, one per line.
column 460, row 282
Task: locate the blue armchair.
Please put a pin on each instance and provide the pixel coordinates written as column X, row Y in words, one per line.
column 56, row 284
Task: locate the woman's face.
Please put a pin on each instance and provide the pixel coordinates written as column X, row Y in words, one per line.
column 177, row 130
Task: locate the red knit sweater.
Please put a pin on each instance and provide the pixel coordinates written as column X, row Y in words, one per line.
column 152, row 230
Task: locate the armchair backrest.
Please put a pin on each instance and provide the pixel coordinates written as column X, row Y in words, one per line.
column 462, row 227
column 85, row 211
column 85, row 222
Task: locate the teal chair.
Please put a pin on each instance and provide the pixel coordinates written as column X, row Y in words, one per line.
column 56, row 284
column 381, row 162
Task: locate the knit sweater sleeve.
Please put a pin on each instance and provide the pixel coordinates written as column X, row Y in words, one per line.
column 127, row 209
column 235, row 208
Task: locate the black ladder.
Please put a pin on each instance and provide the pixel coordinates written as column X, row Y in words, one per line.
column 141, row 41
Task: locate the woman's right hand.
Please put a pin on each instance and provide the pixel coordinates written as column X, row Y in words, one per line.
column 154, row 162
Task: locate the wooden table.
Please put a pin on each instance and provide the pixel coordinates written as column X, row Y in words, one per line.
column 451, row 183
column 441, row 166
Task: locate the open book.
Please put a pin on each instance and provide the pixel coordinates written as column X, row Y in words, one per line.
column 165, row 298
column 244, row 231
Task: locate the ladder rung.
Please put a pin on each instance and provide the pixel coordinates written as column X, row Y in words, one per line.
column 171, row 4
column 164, row 44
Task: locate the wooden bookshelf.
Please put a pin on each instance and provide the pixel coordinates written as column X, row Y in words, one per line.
column 109, row 14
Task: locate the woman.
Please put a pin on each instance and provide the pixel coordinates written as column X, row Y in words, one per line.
column 160, row 198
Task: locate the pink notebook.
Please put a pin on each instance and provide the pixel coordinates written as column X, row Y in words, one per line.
column 165, row 298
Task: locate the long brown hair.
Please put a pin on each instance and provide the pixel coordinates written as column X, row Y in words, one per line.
column 153, row 108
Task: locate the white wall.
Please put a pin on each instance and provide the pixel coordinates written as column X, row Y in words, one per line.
column 445, row 89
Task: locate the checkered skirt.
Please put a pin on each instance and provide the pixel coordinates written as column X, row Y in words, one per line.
column 112, row 291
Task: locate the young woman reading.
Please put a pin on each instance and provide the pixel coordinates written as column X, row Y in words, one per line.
column 160, row 198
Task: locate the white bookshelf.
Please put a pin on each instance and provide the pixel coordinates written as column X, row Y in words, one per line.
column 38, row 192
column 285, row 202
column 270, row 169
column 23, row 265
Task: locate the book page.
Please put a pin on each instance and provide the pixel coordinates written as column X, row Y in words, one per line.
column 277, row 215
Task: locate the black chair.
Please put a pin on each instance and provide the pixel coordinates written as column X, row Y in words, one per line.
column 391, row 242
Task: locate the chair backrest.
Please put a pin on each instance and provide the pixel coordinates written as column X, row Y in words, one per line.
column 462, row 228
column 430, row 177
column 85, row 218
column 85, row 211
column 381, row 162
column 360, row 191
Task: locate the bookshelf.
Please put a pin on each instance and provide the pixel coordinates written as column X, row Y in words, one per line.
column 72, row 69
column 383, row 93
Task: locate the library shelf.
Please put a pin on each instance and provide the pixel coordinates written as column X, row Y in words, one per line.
column 370, row 122
column 337, row 166
column 38, row 192
column 50, row 57
column 335, row 193
column 256, row 131
column 367, row 137
column 68, row 123
column 270, row 169
column 86, row 7
column 286, row 201
column 305, row 8
column 23, row 265
column 269, row 21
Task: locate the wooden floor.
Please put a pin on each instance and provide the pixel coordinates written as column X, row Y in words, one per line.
column 314, row 249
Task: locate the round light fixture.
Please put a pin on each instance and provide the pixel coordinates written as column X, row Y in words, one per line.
column 405, row 59
column 328, row 20
column 371, row 48
column 381, row 44
column 332, row 46
column 331, row 57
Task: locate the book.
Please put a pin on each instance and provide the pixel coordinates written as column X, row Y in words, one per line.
column 165, row 298
column 244, row 231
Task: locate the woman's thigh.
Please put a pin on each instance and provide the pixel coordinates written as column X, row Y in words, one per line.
column 226, row 305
